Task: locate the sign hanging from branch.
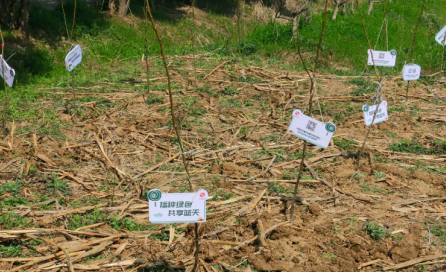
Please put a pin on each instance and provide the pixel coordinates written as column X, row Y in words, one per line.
column 411, row 72
column 177, row 207
column 369, row 112
column 9, row 72
column 382, row 58
column 441, row 37
column 73, row 58
column 310, row 129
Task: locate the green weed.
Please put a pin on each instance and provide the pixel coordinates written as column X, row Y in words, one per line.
column 375, row 231
column 56, row 184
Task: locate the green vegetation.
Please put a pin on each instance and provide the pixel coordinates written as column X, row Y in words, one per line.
column 436, row 147
column 56, row 184
column 363, row 86
column 154, row 99
column 12, row 221
column 344, row 143
column 375, row 231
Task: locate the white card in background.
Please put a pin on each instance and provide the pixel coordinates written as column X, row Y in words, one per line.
column 440, row 37
column 73, row 58
column 411, row 72
column 177, row 207
column 369, row 112
column 382, row 58
column 9, row 72
column 311, row 130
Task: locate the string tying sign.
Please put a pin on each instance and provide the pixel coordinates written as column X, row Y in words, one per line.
column 8, row 74
column 311, row 130
column 73, row 58
column 177, row 207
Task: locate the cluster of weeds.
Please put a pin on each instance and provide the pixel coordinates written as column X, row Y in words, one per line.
column 375, row 231
column 436, row 147
column 231, row 103
column 154, row 99
column 206, row 89
column 363, row 86
column 219, row 194
column 126, row 223
column 344, row 143
column 230, row 90
column 437, row 228
column 12, row 250
column 277, row 188
column 77, row 220
column 12, row 220
column 10, row 191
column 56, row 184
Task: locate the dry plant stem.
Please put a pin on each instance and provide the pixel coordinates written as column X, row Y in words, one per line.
column 65, row 19
column 74, row 18
column 322, row 35
column 177, row 132
column 368, row 41
column 5, row 106
column 193, row 45
column 413, row 44
column 147, row 54
column 69, row 263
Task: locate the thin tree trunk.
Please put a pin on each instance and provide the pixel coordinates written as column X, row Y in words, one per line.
column 12, row 8
column 352, row 8
column 24, row 24
column 344, row 9
column 295, row 26
column 370, row 7
column 335, row 13
column 123, row 7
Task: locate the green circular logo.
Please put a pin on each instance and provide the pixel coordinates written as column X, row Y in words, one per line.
column 365, row 108
column 154, row 195
column 330, row 127
column 393, row 52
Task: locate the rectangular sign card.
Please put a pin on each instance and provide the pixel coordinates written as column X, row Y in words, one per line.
column 311, row 130
column 369, row 112
column 411, row 72
column 441, row 36
column 382, row 58
column 73, row 58
column 177, row 207
column 9, row 72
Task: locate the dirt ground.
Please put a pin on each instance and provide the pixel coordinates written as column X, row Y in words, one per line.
column 385, row 211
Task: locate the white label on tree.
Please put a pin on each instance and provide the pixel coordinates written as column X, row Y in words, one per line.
column 74, row 58
column 369, row 112
column 411, row 72
column 177, row 207
column 311, row 130
column 382, row 58
column 9, row 72
column 441, row 36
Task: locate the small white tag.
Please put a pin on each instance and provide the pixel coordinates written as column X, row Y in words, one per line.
column 9, row 72
column 73, row 58
column 440, row 37
column 369, row 112
column 177, row 207
column 411, row 72
column 311, row 130
column 382, row 58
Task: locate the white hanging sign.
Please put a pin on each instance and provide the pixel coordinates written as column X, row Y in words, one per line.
column 9, row 72
column 310, row 129
column 441, row 36
column 177, row 207
column 411, row 72
column 369, row 112
column 382, row 58
column 73, row 58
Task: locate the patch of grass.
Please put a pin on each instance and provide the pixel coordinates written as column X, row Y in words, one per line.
column 277, row 188
column 375, row 231
column 11, row 250
column 231, row 103
column 126, row 223
column 12, row 221
column 230, row 90
column 206, row 89
column 77, row 220
column 363, row 86
column 344, row 143
column 379, row 175
column 154, row 99
column 436, row 147
column 396, row 109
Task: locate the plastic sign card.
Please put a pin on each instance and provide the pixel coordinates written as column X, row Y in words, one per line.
column 411, row 72
column 177, row 207
column 311, row 130
column 74, row 58
column 382, row 58
column 369, row 112
column 441, row 36
column 9, row 72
